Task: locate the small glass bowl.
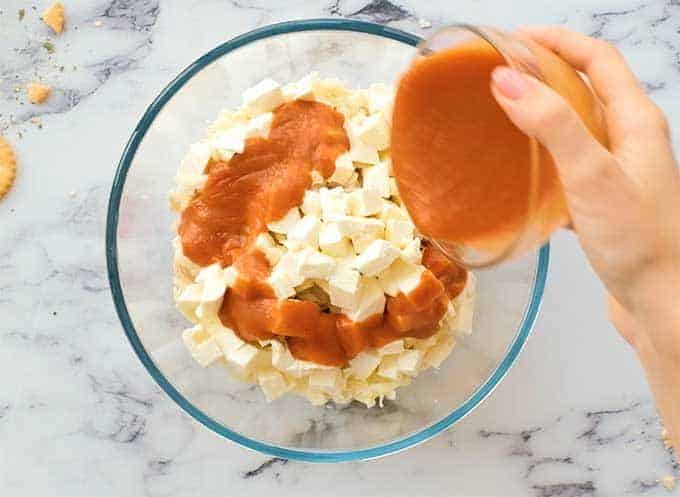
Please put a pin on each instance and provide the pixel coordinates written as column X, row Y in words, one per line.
column 546, row 208
column 139, row 257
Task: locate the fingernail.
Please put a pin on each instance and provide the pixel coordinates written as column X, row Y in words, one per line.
column 509, row 82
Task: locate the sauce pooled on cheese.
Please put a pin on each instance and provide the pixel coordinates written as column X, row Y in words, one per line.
column 261, row 185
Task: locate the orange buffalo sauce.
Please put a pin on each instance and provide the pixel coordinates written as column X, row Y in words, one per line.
column 259, row 186
column 464, row 171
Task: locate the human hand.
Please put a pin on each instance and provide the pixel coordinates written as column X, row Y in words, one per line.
column 624, row 202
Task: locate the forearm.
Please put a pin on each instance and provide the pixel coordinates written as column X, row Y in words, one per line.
column 657, row 343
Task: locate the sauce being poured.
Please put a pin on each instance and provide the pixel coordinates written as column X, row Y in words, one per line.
column 463, row 169
column 261, row 185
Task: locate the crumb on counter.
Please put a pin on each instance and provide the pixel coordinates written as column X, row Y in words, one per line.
column 37, row 92
column 8, row 167
column 54, row 17
column 22, row 13
column 668, row 482
column 98, row 23
column 424, row 23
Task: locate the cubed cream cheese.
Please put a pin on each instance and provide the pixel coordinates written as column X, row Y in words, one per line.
column 314, row 264
column 259, row 126
column 196, row 159
column 399, row 232
column 306, row 231
column 363, row 364
column 343, row 288
column 377, row 178
column 400, row 276
column 344, row 169
column 272, row 382
column 371, row 301
column 333, row 203
column 311, row 203
column 264, row 96
column 364, row 202
column 332, row 242
column 374, row 130
column 412, row 252
column 286, row 223
column 302, row 89
column 203, row 349
column 377, row 257
column 227, row 143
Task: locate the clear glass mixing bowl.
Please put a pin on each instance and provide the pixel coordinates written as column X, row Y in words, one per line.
column 139, row 257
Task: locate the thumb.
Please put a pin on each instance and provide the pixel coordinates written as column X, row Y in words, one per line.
column 540, row 112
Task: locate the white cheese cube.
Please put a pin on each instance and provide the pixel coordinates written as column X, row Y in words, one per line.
column 281, row 357
column 196, row 159
column 228, row 341
column 187, row 185
column 374, row 130
column 264, row 96
column 243, row 356
column 190, row 299
column 314, row 264
column 362, row 152
column 363, row 364
column 399, row 232
column 355, row 225
column 371, row 301
column 464, row 317
column 285, row 275
column 352, row 182
column 344, row 169
column 401, row 277
column 286, row 223
column 377, row 178
column 364, row 202
column 332, row 242
column 390, row 210
column 376, row 258
column 306, row 231
column 227, row 143
column 272, row 382
column 333, row 203
column 409, row 361
column 317, row 178
column 388, row 367
column 204, row 350
column 274, row 255
column 325, row 379
column 302, row 89
column 394, row 347
column 311, row 203
column 440, row 351
column 259, row 126
column 264, row 241
column 412, row 252
column 343, row 288
column 381, row 99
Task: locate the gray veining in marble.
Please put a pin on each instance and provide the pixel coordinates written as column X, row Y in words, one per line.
column 78, row 413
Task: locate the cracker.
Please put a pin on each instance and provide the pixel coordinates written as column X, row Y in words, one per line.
column 37, row 92
column 54, row 17
column 8, row 167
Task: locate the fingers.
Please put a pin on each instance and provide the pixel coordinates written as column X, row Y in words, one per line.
column 540, row 112
column 630, row 113
column 604, row 65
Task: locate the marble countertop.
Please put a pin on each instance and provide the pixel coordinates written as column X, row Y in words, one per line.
column 78, row 413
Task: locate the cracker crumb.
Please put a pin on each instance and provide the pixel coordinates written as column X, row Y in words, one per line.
column 22, row 13
column 8, row 167
column 424, row 23
column 665, row 436
column 54, row 17
column 668, row 482
column 98, row 23
column 49, row 46
column 38, row 92
column 72, row 194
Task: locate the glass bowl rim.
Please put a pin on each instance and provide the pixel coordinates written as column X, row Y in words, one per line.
column 124, row 165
